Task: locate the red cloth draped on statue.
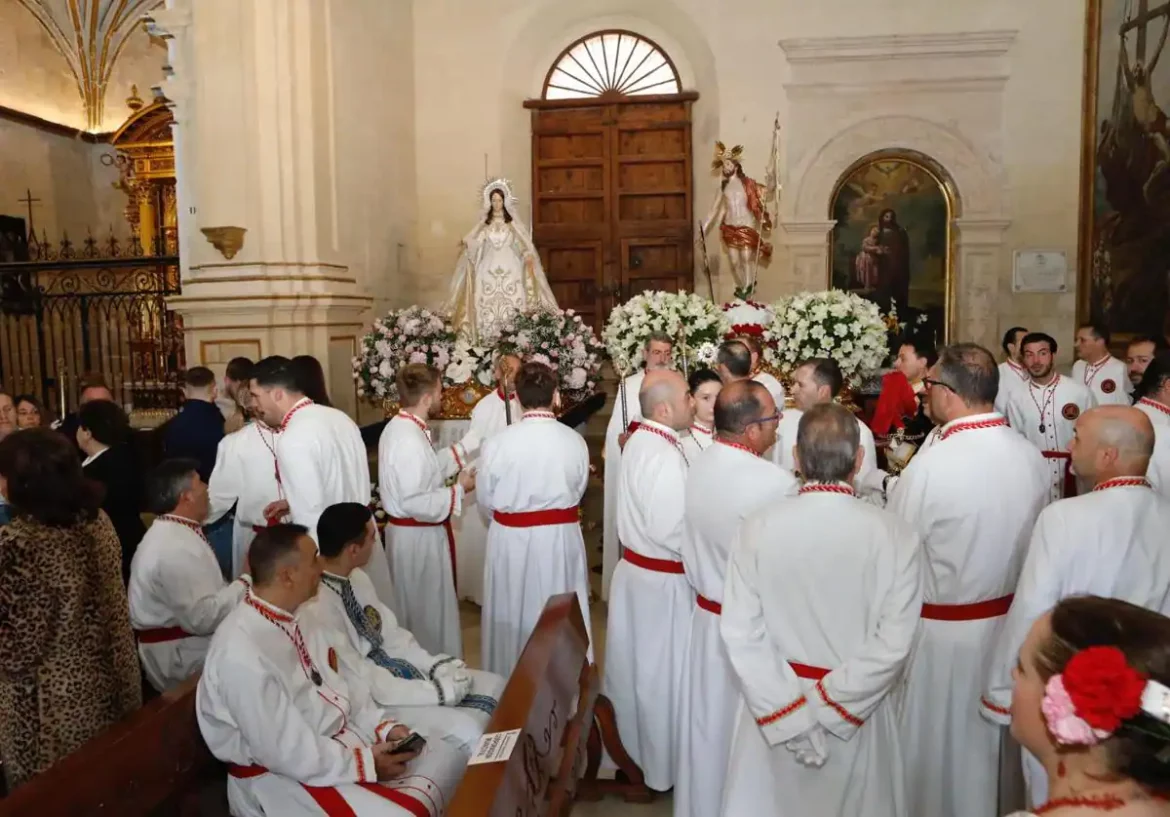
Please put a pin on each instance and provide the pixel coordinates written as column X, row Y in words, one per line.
column 897, row 400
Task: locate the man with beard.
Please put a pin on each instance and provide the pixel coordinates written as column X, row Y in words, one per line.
column 739, row 205
column 1138, row 354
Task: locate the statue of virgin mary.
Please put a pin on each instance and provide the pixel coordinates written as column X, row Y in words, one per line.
column 498, row 273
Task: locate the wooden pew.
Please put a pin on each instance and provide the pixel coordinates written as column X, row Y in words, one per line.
column 154, row 763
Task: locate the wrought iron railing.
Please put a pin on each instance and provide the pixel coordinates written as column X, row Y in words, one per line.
column 96, row 309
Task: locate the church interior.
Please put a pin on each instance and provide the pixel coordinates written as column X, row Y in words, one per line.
column 185, row 182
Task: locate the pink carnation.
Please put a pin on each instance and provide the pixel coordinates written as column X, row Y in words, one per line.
column 418, row 357
column 1062, row 719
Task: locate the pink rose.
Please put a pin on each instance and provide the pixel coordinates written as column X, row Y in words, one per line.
column 418, row 357
column 1061, row 717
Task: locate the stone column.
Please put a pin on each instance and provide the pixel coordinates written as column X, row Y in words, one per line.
column 974, row 292
column 253, row 91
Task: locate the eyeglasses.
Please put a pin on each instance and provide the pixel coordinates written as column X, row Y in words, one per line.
column 930, row 384
column 775, row 418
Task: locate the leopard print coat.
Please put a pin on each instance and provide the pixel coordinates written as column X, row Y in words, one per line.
column 68, row 662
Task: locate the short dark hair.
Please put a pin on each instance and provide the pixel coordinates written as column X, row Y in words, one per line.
column 827, row 440
column 751, row 342
column 340, row 526
column 738, row 406
column 276, row 372
column 270, row 548
column 1009, row 337
column 1039, row 337
column 311, row 379
column 535, row 385
column 199, row 377
column 700, row 376
column 31, row 400
column 92, row 380
column 168, row 481
column 414, row 380
column 1155, row 376
column 45, row 481
column 825, row 372
column 1100, row 332
column 736, row 357
column 1158, row 342
column 239, row 369
column 922, row 347
column 969, row 370
column 105, row 420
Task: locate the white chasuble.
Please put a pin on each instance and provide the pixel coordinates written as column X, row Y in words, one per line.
column 413, row 685
column 610, row 548
column 177, row 599
column 488, row 418
column 1046, row 416
column 244, row 477
column 973, row 498
column 1108, row 379
column 650, row 603
column 820, row 611
column 296, row 735
column 725, row 484
column 419, row 539
column 531, row 478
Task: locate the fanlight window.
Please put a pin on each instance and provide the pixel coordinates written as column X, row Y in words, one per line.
column 611, row 63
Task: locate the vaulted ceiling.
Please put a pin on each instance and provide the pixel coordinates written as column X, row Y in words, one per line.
column 90, row 34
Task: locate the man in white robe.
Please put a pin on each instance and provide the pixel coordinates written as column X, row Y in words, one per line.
column 1045, row 410
column 491, row 415
column 244, row 478
column 820, row 609
column 433, row 692
column 1102, row 373
column 657, row 356
column 1012, row 373
column 1109, row 542
column 1155, row 404
column 419, row 507
column 298, row 737
column 320, row 457
column 177, row 593
column 973, row 498
column 532, row 476
column 651, row 601
column 814, row 383
column 725, row 484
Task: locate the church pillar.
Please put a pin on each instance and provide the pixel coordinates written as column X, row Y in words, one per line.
column 807, row 267
column 253, row 89
column 974, row 285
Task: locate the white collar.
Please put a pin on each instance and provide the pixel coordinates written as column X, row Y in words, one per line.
column 971, row 419
column 93, row 457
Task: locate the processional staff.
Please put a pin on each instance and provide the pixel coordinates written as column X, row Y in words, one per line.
column 622, row 366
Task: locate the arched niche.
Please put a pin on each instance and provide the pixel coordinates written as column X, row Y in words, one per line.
column 145, row 157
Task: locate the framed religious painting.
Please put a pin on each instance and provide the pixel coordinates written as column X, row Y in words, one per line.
column 1124, row 248
column 892, row 240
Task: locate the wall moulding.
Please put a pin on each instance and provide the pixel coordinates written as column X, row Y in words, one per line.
column 958, row 44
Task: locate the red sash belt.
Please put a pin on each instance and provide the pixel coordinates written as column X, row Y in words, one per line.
column 407, row 522
column 161, row 635
column 708, row 605
column 992, row 608
column 1070, row 480
column 808, row 673
column 656, row 565
column 538, row 519
column 330, row 799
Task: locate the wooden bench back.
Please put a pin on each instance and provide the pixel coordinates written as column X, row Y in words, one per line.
column 550, row 698
column 152, row 763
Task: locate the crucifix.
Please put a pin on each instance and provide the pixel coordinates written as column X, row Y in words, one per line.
column 1141, row 21
column 29, row 201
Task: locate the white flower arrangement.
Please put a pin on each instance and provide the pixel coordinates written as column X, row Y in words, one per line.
column 411, row 335
column 693, row 318
column 834, row 324
column 469, row 363
column 561, row 340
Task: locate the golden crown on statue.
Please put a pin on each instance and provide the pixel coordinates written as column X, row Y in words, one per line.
column 722, row 154
column 505, row 188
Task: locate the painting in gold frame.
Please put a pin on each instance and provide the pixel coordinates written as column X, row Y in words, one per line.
column 892, row 241
column 1124, row 243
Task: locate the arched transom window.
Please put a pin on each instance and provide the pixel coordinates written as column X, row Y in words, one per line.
column 611, row 63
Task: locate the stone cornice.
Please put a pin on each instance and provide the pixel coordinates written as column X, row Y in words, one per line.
column 958, row 44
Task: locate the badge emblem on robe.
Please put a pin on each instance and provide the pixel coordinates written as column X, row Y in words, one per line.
column 373, row 618
column 1070, row 411
column 333, row 659
column 1108, row 386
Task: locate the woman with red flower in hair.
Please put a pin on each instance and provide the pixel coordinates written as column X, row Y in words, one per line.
column 1092, row 703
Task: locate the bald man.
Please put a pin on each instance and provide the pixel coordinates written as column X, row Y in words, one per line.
column 1109, row 542
column 650, row 600
column 733, row 361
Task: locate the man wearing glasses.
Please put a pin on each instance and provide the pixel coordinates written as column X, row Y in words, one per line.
column 973, row 499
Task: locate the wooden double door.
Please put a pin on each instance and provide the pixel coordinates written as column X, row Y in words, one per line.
column 612, row 199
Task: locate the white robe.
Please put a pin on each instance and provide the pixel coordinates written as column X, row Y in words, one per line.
column 650, row 610
column 724, row 485
column 774, row 387
column 973, row 498
column 1011, row 376
column 1109, row 543
column 257, row 707
column 175, row 581
column 1108, row 380
column 829, row 582
column 244, row 477
column 411, row 683
column 1159, row 414
column 488, row 418
column 696, row 440
column 411, row 478
column 781, row 452
column 1159, row 471
column 1057, row 407
column 538, row 464
column 613, row 466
